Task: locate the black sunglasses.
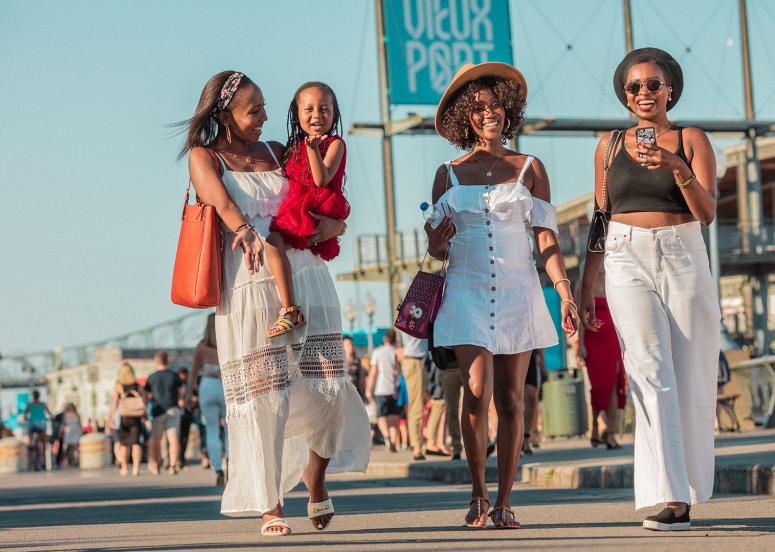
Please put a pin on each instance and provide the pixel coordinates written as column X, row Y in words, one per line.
column 652, row 85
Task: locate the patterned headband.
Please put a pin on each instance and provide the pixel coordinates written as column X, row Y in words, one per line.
column 228, row 90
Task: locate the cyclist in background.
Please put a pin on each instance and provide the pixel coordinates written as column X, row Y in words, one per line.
column 37, row 415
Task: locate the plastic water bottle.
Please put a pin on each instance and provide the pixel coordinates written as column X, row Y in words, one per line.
column 431, row 214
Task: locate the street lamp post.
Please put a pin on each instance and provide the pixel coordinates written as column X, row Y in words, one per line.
column 351, row 313
column 370, row 307
column 715, row 264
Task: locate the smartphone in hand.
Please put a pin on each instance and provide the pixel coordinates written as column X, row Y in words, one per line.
column 645, row 135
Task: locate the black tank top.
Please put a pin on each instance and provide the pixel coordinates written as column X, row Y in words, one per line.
column 632, row 188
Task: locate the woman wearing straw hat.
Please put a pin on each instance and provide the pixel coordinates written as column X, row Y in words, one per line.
column 660, row 290
column 493, row 313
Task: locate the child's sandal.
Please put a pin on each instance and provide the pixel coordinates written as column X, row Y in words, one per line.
column 284, row 324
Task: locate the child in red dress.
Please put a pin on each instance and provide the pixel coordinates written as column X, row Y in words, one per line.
column 314, row 161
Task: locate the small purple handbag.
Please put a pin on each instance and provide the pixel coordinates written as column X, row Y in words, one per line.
column 421, row 304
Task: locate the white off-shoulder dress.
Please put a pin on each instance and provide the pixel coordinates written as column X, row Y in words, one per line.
column 286, row 395
column 493, row 296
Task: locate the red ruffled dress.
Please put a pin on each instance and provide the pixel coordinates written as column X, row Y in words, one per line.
column 605, row 366
column 293, row 221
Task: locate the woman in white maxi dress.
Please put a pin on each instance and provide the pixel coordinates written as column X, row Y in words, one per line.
column 291, row 408
column 289, row 394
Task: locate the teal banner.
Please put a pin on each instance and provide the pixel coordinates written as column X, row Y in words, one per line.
column 555, row 356
column 428, row 40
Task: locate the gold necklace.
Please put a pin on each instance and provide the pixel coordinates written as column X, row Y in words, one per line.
column 661, row 132
column 489, row 171
column 247, row 159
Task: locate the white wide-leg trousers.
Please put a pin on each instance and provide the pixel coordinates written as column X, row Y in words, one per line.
column 665, row 308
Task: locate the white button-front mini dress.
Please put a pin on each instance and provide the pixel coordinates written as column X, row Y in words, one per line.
column 493, row 296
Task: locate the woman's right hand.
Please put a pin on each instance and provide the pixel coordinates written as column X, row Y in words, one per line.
column 439, row 237
column 252, row 248
column 587, row 311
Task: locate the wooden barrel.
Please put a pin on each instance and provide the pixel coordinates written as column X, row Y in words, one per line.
column 95, row 451
column 13, row 455
column 194, row 447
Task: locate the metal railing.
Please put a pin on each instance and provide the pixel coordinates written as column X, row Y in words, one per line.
column 371, row 249
column 761, row 387
column 731, row 234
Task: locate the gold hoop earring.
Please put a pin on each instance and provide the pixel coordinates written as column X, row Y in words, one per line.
column 228, row 134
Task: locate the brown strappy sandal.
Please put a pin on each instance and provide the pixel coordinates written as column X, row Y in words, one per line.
column 284, row 324
column 479, row 511
column 504, row 511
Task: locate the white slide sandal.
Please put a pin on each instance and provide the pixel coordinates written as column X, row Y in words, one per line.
column 316, row 509
column 276, row 522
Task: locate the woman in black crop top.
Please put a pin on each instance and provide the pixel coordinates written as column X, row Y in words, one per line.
column 661, row 294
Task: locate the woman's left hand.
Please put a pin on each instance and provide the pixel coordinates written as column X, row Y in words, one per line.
column 327, row 228
column 570, row 318
column 653, row 157
column 252, row 248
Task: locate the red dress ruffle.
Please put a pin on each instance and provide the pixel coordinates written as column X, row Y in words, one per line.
column 293, row 221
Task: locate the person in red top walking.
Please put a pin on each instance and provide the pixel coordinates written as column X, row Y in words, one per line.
column 314, row 161
column 600, row 353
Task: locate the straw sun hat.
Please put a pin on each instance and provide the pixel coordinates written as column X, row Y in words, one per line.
column 470, row 72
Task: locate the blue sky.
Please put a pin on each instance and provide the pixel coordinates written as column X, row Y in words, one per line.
column 89, row 183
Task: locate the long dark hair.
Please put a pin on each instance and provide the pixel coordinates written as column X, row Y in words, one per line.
column 295, row 133
column 202, row 128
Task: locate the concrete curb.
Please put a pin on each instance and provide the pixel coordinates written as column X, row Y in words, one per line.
column 449, row 471
column 756, row 479
column 608, row 476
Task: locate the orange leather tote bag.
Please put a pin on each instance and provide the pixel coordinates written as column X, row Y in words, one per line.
column 196, row 277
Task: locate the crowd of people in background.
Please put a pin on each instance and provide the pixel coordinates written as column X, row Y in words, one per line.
column 413, row 404
column 147, row 422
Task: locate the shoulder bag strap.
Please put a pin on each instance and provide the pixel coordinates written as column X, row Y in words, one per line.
column 447, row 187
column 220, row 167
column 613, row 140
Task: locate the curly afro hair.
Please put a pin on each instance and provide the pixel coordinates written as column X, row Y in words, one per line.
column 455, row 125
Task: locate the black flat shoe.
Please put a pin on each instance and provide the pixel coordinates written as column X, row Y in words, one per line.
column 526, row 445
column 490, row 449
column 430, row 452
column 666, row 520
column 418, row 457
column 456, row 456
